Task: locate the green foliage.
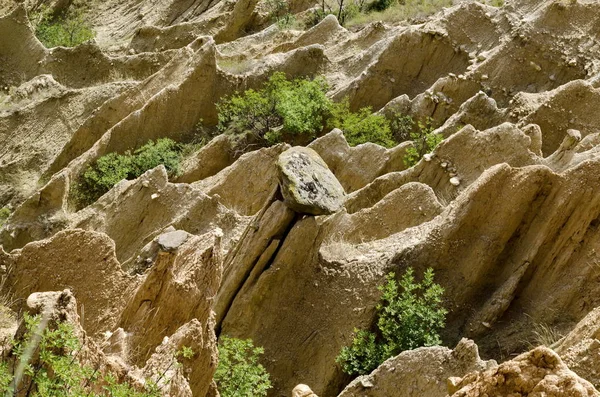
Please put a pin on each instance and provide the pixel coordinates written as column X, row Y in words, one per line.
column 424, row 140
column 280, row 13
column 4, row 215
column 284, row 110
column 410, row 315
column 362, row 126
column 401, row 127
column 363, row 355
column 67, row 30
column 112, row 168
column 186, row 352
column 380, row 5
column 282, row 107
column 239, row 373
column 51, row 369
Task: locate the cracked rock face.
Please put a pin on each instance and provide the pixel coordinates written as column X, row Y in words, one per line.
column 307, row 184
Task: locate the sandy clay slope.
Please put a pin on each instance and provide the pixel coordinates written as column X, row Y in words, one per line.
column 506, row 210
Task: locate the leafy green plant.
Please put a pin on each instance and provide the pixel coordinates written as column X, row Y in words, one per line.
column 410, row 315
column 284, row 110
column 239, row 372
column 424, row 141
column 112, row 168
column 282, row 107
column 401, row 126
column 67, row 30
column 4, row 215
column 362, row 126
column 49, row 359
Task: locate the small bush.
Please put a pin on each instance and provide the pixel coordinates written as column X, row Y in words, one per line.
column 380, row 5
column 362, row 126
column 402, row 126
column 112, row 168
column 4, row 215
column 282, row 107
column 68, row 30
column 52, row 369
column 424, row 140
column 409, row 316
column 297, row 110
column 239, row 373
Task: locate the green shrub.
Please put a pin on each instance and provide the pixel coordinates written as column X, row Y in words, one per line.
column 410, row 315
column 424, row 140
column 67, row 30
column 380, row 5
column 112, row 168
column 362, row 126
column 4, row 214
column 165, row 151
column 402, row 126
column 52, row 369
column 239, row 373
column 285, row 110
column 282, row 107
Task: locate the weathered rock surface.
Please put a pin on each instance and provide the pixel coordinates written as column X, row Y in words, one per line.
column 538, row 372
column 419, row 372
column 506, row 210
column 307, row 184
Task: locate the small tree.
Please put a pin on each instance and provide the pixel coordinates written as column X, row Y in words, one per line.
column 410, row 315
column 239, row 373
column 68, row 30
column 296, row 107
column 362, row 126
column 424, row 141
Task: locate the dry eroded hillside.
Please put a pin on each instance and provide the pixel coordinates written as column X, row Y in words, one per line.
column 506, row 210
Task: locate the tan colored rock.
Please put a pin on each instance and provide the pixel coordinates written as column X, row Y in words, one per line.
column 84, row 262
column 538, row 372
column 178, row 288
column 355, row 167
column 254, row 175
column 208, row 161
column 181, row 376
column 464, row 155
column 303, row 391
column 580, row 348
column 419, row 372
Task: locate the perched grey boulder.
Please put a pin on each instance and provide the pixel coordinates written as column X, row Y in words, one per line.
column 307, row 184
column 170, row 241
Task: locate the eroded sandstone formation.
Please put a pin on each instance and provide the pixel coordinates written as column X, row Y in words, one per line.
column 506, row 210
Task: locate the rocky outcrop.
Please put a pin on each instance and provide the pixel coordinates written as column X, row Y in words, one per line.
column 579, row 349
column 506, row 210
column 55, row 264
column 188, row 271
column 307, row 184
column 538, row 372
column 419, row 372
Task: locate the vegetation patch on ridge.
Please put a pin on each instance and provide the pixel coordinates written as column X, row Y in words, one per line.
column 410, row 315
